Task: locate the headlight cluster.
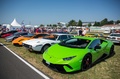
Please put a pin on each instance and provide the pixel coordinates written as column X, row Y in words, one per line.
column 30, row 46
column 68, row 58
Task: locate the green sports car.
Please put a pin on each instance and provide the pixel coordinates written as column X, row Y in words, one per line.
column 77, row 53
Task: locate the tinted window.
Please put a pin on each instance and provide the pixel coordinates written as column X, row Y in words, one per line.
column 70, row 36
column 62, row 37
column 95, row 43
column 75, row 43
column 118, row 35
column 23, row 33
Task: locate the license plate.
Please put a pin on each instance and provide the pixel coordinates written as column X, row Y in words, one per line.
column 47, row 62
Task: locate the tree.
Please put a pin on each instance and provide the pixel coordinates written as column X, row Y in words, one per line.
column 96, row 24
column 110, row 22
column 117, row 22
column 104, row 21
column 79, row 23
column 54, row 25
column 89, row 24
column 41, row 25
column 72, row 23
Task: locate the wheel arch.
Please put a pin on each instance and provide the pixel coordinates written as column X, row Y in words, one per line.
column 44, row 46
column 84, row 57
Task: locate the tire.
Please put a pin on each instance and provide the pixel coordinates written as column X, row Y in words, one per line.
column 111, row 50
column 45, row 48
column 86, row 62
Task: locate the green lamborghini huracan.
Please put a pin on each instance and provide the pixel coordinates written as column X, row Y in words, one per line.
column 77, row 53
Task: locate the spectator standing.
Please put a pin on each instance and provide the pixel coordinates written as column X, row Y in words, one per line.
column 80, row 32
column 84, row 32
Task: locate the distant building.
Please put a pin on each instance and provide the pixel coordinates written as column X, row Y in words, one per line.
column 86, row 23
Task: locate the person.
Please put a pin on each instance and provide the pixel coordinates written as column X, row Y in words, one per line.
column 84, row 32
column 80, row 32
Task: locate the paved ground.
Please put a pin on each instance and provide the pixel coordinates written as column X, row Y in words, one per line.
column 12, row 67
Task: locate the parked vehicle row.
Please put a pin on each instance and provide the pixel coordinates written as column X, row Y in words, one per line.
column 41, row 45
column 65, row 52
column 114, row 37
column 20, row 40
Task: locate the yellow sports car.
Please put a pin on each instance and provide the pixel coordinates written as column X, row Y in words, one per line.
column 19, row 40
column 94, row 35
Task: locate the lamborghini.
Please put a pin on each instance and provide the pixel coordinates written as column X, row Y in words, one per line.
column 77, row 53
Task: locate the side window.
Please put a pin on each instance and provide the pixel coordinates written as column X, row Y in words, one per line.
column 24, row 34
column 94, row 43
column 62, row 37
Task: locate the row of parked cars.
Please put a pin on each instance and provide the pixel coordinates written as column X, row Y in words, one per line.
column 65, row 52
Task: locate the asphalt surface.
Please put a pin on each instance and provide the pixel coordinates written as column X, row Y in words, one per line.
column 13, row 68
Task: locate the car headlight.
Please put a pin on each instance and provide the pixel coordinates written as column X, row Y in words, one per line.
column 30, row 46
column 68, row 58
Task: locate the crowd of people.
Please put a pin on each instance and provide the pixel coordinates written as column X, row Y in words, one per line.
column 79, row 31
column 32, row 30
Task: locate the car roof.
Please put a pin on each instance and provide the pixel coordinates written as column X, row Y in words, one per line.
column 60, row 34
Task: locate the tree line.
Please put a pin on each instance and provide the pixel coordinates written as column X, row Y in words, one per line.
column 80, row 23
column 101, row 23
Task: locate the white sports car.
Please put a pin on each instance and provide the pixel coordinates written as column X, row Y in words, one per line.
column 114, row 37
column 41, row 45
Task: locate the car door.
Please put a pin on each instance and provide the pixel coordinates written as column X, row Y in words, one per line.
column 96, row 53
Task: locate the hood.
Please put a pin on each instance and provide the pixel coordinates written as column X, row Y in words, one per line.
column 20, row 39
column 9, row 37
column 38, row 41
column 59, row 52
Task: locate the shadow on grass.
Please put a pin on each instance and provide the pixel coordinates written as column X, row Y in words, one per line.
column 16, row 45
column 117, row 44
column 36, row 52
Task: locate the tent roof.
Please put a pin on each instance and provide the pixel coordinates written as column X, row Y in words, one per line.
column 15, row 23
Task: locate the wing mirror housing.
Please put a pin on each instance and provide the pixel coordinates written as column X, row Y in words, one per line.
column 97, row 47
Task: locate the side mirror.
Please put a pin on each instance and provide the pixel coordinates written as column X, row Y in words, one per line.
column 97, row 47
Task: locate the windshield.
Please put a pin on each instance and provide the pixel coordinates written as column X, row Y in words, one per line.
column 29, row 35
column 118, row 35
column 51, row 37
column 75, row 43
column 40, row 35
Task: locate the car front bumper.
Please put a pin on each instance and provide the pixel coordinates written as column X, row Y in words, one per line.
column 31, row 48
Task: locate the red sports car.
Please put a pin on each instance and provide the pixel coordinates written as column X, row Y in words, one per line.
column 5, row 34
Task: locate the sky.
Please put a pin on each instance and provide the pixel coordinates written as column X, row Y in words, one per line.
column 54, row 11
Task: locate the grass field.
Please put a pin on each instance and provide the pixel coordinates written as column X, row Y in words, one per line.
column 106, row 69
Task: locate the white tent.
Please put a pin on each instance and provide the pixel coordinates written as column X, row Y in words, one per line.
column 15, row 24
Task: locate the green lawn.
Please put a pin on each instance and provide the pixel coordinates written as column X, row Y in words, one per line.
column 106, row 69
